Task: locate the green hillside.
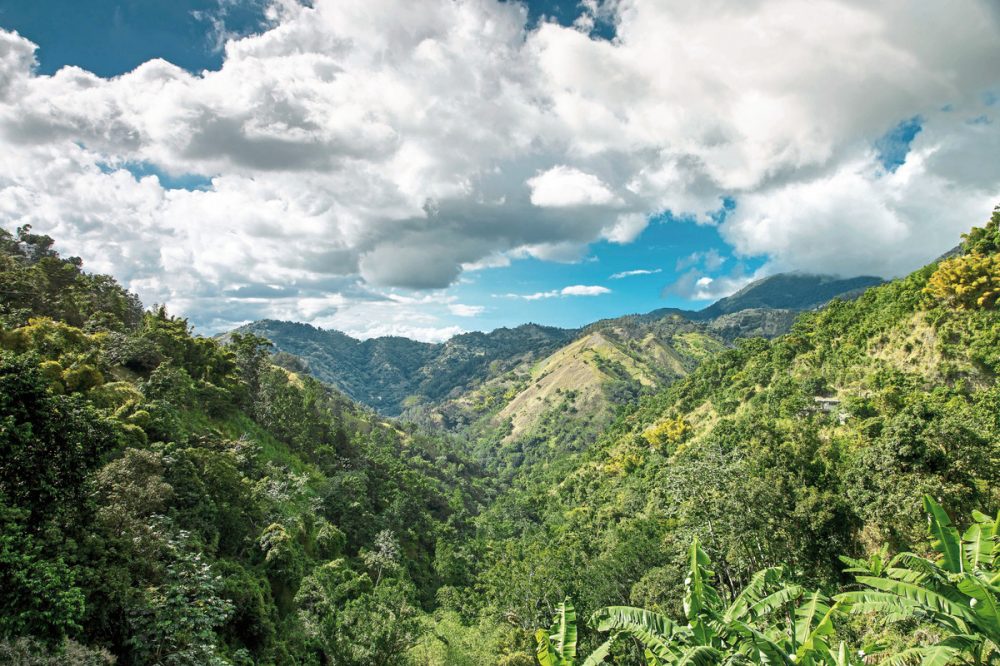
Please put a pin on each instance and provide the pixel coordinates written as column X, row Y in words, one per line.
column 385, row 372
column 170, row 499
column 532, row 391
column 547, row 407
column 785, row 453
column 393, row 374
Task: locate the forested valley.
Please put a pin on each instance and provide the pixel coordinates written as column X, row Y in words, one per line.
column 825, row 496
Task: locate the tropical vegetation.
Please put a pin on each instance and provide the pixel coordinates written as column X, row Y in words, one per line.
column 776, row 621
column 167, row 498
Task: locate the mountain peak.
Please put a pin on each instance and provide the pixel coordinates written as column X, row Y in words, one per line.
column 790, row 291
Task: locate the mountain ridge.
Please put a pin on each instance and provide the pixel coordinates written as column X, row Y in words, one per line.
column 212, row 474
column 393, row 373
column 789, row 291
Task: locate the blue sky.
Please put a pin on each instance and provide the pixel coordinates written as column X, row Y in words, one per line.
column 613, row 169
column 111, row 37
column 659, row 250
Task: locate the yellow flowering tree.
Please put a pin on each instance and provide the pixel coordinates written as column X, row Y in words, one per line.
column 967, row 282
column 667, row 433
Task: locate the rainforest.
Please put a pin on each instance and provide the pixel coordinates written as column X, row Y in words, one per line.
column 170, row 498
column 499, row 333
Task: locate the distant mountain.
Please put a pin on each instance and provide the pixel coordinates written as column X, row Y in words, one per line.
column 753, row 323
column 384, row 372
column 561, row 401
column 789, row 291
column 456, row 382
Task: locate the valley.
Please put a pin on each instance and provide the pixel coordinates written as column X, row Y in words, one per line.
column 285, row 494
column 512, row 385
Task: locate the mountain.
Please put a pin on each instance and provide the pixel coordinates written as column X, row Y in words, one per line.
column 166, row 498
column 753, row 323
column 789, row 291
column 385, row 372
column 787, row 453
column 549, row 404
column 533, row 392
column 396, row 375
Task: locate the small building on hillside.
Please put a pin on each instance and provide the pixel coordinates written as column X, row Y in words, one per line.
column 827, row 404
column 830, row 406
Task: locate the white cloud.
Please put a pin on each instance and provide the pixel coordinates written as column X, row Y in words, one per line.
column 626, row 228
column 493, row 261
column 357, row 144
column 461, row 310
column 419, row 318
column 637, row 271
column 695, row 286
column 584, row 290
column 711, row 260
column 572, row 290
column 421, row 333
column 538, row 295
column 859, row 219
column 563, row 186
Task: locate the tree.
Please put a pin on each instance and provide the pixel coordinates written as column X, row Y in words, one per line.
column 49, row 444
column 967, row 282
column 285, row 563
column 40, row 597
column 175, row 620
column 668, row 433
column 557, row 647
column 378, row 627
column 250, row 353
column 985, row 239
column 132, row 489
column 384, row 557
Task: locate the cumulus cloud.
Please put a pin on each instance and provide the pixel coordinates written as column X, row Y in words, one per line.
column 711, row 260
column 700, row 279
column 358, row 145
column 462, row 310
column 563, row 186
column 417, row 317
column 860, row 219
column 637, row 271
column 626, row 228
column 584, row 290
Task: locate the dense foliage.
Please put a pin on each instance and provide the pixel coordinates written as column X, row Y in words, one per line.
column 786, row 453
column 172, row 499
column 169, row 500
column 775, row 621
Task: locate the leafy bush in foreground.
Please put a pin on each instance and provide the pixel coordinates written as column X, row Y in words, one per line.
column 775, row 621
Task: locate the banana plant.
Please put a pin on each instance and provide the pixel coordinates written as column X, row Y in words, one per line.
column 772, row 621
column 557, row 647
column 957, row 590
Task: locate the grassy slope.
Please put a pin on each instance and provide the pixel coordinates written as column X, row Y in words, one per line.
column 559, row 403
column 392, row 373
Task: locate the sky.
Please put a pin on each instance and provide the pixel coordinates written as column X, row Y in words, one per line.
column 426, row 168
